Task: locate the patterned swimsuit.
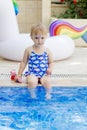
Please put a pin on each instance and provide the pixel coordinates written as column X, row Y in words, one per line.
column 37, row 64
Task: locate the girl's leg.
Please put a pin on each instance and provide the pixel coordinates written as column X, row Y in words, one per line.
column 32, row 83
column 46, row 82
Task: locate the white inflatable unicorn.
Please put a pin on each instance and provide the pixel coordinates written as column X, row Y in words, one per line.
column 13, row 43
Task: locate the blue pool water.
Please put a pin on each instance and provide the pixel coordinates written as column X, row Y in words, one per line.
column 67, row 110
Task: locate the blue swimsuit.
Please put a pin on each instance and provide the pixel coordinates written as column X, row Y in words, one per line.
column 37, row 64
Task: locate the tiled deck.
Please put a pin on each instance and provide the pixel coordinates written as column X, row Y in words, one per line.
column 68, row 72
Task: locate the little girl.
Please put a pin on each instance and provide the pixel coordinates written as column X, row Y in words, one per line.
column 39, row 60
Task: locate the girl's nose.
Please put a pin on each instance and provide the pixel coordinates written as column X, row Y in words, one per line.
column 39, row 39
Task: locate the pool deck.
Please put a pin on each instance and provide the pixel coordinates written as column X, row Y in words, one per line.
column 68, row 72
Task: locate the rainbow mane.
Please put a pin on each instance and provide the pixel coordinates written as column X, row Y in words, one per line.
column 59, row 27
column 15, row 6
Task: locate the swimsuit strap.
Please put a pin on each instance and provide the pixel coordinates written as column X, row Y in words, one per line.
column 45, row 50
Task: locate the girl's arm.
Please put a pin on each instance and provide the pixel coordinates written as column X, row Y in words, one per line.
column 50, row 62
column 23, row 62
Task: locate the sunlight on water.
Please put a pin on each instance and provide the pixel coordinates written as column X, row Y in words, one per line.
column 67, row 110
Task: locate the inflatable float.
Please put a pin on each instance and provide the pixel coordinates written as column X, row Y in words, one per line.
column 60, row 27
column 13, row 43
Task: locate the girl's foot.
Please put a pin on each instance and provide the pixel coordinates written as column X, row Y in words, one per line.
column 48, row 93
column 32, row 92
column 48, row 96
column 33, row 95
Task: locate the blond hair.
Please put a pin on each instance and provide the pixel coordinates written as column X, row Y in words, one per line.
column 38, row 29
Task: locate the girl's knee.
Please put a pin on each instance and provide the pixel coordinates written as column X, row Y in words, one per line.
column 46, row 81
column 32, row 81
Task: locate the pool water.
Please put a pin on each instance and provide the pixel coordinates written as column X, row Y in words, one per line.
column 66, row 110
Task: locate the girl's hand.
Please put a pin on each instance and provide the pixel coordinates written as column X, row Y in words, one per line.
column 18, row 79
column 49, row 71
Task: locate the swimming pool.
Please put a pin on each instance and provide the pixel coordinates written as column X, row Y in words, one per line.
column 67, row 110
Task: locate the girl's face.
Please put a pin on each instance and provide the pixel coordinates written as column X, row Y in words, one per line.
column 39, row 39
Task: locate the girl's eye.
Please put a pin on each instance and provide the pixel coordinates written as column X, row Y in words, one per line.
column 39, row 37
column 42, row 37
column 36, row 37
